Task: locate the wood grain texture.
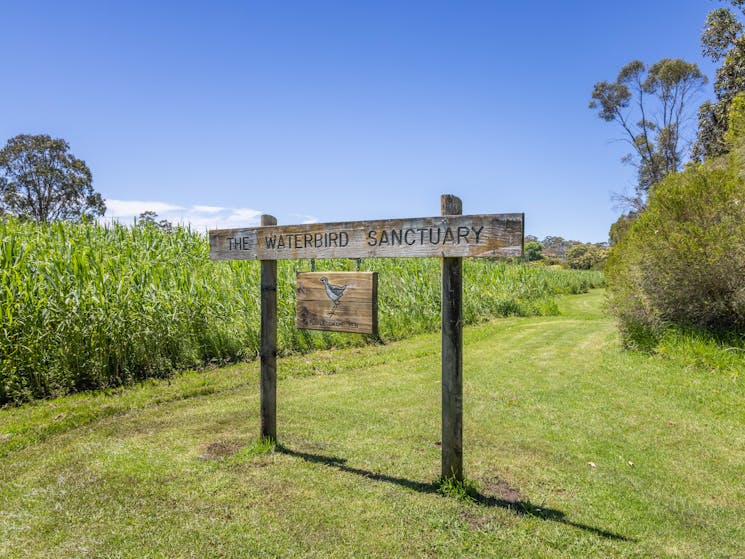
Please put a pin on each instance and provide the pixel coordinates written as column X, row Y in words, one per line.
column 485, row 235
column 268, row 351
column 355, row 311
column 452, row 356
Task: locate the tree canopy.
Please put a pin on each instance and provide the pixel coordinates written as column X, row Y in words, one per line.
column 721, row 41
column 41, row 180
column 533, row 251
column 649, row 104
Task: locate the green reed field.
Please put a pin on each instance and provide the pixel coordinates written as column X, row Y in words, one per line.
column 86, row 306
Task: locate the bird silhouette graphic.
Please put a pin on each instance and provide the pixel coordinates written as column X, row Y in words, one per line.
column 333, row 292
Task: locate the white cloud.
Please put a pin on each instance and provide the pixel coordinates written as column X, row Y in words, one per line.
column 127, row 208
column 198, row 216
column 240, row 215
column 306, row 218
column 207, row 209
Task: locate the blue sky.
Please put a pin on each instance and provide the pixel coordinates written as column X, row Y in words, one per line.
column 215, row 112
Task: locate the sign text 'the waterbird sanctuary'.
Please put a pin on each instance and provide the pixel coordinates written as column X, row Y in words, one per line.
column 490, row 235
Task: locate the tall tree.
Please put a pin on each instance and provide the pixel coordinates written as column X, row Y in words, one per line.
column 40, row 180
column 533, row 251
column 149, row 218
column 555, row 246
column 649, row 104
column 721, row 41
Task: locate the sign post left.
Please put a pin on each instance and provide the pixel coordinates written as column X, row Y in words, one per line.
column 268, row 352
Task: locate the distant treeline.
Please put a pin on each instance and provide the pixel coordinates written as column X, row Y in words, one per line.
column 553, row 250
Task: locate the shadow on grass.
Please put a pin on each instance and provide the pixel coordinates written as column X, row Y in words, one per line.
column 520, row 507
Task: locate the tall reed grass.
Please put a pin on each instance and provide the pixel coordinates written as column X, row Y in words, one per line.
column 87, row 306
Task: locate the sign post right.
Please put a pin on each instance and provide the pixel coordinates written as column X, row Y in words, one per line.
column 452, row 354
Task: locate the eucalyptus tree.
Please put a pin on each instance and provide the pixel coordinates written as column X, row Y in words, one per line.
column 722, row 41
column 650, row 105
column 42, row 181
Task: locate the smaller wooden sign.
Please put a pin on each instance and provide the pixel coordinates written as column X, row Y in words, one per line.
column 338, row 301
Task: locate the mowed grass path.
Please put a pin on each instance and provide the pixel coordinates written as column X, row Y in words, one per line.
column 577, row 448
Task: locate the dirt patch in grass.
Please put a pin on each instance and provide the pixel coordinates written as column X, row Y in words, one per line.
column 494, row 492
column 501, row 490
column 219, row 449
column 475, row 519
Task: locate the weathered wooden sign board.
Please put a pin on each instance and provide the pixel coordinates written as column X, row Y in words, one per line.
column 443, row 236
column 337, row 301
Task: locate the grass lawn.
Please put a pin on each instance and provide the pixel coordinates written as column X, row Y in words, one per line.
column 576, row 449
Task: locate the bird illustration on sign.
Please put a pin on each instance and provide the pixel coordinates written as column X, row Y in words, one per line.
column 333, row 292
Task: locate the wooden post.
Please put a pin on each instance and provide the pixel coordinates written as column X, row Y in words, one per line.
column 452, row 354
column 268, row 351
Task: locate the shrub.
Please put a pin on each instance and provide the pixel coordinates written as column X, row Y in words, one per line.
column 533, row 251
column 682, row 262
column 586, row 256
column 621, row 226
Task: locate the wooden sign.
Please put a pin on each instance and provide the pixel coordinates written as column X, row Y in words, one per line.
column 347, row 302
column 338, row 301
column 443, row 236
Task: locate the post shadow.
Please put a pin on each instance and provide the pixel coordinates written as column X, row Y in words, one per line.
column 520, row 507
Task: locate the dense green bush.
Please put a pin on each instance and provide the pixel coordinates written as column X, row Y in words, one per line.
column 584, row 256
column 533, row 251
column 682, row 262
column 86, row 306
